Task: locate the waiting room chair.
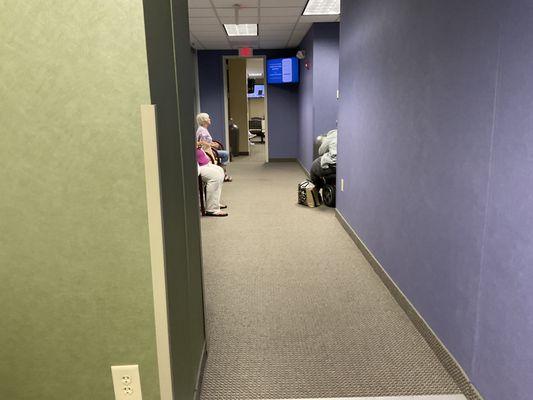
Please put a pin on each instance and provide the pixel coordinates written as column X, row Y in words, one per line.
column 256, row 127
column 202, row 194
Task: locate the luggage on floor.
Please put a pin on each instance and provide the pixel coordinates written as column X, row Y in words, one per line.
column 308, row 194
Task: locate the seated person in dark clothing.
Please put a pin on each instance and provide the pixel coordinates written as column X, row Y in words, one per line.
column 326, row 163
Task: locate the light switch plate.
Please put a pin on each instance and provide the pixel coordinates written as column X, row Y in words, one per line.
column 126, row 382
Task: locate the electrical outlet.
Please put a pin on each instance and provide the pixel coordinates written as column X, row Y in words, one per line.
column 342, row 184
column 126, row 382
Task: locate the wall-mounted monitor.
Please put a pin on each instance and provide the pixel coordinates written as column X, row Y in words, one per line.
column 259, row 91
column 283, row 70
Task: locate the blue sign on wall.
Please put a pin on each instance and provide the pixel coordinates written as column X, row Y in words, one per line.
column 282, row 70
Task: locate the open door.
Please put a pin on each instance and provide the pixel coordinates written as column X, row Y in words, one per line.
column 238, row 100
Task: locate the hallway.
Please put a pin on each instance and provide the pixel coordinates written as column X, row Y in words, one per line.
column 293, row 308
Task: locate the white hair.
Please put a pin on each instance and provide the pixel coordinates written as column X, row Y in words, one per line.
column 202, row 118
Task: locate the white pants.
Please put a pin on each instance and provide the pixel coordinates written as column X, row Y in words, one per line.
column 213, row 176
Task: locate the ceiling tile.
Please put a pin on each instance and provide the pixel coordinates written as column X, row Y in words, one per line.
column 244, row 43
column 201, row 12
column 199, row 4
column 230, row 3
column 280, row 27
column 239, row 39
column 300, row 33
column 215, row 41
column 243, row 12
column 216, row 45
column 203, row 21
column 318, row 18
column 294, row 42
column 302, row 26
column 272, row 44
column 267, row 29
column 279, row 20
column 297, row 38
column 208, row 36
column 276, row 35
column 197, row 44
column 283, row 3
column 207, row 28
column 281, row 11
column 242, row 20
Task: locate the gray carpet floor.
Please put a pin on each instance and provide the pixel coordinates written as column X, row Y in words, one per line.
column 293, row 309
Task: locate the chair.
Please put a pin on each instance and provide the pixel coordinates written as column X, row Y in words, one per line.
column 220, row 145
column 202, row 193
column 216, row 159
column 256, row 127
column 213, row 156
column 329, row 188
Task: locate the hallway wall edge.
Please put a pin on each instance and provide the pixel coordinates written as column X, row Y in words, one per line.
column 201, row 370
column 443, row 354
column 303, row 168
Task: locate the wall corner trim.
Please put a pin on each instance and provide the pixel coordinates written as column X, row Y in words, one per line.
column 200, row 375
column 281, row 159
column 304, row 169
column 443, row 354
column 157, row 250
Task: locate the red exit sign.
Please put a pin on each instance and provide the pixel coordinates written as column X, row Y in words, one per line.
column 246, row 52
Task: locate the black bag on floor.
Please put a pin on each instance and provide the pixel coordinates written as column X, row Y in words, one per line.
column 308, row 194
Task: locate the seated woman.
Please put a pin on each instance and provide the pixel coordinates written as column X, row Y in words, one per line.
column 326, row 164
column 203, row 138
column 213, row 176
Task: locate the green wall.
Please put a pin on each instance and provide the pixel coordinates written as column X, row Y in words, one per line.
column 75, row 279
column 172, row 90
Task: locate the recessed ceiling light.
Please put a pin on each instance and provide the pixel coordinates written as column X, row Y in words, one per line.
column 241, row 29
column 323, row 7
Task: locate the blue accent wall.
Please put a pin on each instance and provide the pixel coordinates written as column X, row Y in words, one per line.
column 306, row 107
column 319, row 82
column 283, row 120
column 326, row 71
column 212, row 89
column 282, row 102
column 435, row 147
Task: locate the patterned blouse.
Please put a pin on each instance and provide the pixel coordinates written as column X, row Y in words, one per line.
column 203, row 135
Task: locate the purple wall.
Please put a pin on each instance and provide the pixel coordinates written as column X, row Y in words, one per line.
column 318, row 86
column 326, row 71
column 306, row 111
column 282, row 121
column 503, row 363
column 435, row 146
column 282, row 102
column 212, row 89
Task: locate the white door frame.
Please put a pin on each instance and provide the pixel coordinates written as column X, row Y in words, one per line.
column 226, row 116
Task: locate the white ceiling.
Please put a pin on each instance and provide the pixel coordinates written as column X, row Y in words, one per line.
column 281, row 24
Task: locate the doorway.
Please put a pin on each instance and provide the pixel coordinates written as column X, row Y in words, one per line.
column 246, row 105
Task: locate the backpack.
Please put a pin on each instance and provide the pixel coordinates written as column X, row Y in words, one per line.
column 308, row 194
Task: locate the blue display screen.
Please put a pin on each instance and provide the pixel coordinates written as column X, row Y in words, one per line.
column 283, row 70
